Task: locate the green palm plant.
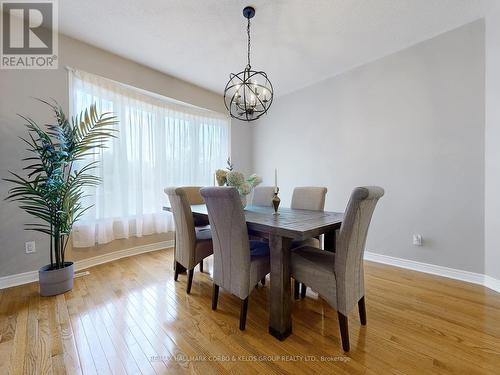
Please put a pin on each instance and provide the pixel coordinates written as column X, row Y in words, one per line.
column 53, row 189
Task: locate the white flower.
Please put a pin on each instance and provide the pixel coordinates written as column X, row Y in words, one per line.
column 245, row 188
column 254, row 180
column 235, row 179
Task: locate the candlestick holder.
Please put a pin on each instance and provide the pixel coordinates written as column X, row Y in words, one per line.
column 276, row 201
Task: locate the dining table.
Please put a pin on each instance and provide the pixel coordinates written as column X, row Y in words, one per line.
column 281, row 230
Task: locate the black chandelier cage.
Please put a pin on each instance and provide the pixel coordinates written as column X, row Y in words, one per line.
column 249, row 93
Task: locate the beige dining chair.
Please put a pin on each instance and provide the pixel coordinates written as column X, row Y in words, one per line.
column 263, row 196
column 239, row 264
column 307, row 198
column 192, row 244
column 194, row 197
column 338, row 276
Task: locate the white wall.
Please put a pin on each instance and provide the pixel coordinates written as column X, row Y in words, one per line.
column 411, row 122
column 17, row 90
column 492, row 155
column 242, row 146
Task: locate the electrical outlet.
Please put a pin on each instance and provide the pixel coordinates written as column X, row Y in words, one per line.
column 417, row 240
column 30, row 247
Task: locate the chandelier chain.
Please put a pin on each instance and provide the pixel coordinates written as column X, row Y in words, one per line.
column 248, row 33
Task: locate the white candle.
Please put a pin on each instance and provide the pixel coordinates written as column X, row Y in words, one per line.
column 275, row 180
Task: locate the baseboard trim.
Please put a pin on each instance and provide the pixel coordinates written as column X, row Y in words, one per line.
column 452, row 273
column 492, row 283
column 115, row 255
column 470, row 277
column 32, row 276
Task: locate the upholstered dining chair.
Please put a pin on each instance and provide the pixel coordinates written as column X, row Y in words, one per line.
column 263, row 196
column 307, row 198
column 239, row 264
column 192, row 244
column 338, row 276
column 194, row 197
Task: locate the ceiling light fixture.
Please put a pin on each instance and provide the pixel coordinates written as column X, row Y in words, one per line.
column 249, row 93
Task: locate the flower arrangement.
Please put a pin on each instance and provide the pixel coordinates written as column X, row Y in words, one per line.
column 236, row 179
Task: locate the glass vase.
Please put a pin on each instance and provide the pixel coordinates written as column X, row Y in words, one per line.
column 243, row 199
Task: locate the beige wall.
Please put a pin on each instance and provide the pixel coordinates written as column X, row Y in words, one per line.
column 17, row 89
column 413, row 123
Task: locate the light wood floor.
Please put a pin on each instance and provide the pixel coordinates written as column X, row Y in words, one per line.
column 129, row 316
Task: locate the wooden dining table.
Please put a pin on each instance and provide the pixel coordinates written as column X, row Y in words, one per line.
column 281, row 230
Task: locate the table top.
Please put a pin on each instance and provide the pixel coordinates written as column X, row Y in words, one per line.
column 292, row 223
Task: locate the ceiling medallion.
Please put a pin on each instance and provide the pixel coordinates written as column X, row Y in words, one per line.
column 249, row 93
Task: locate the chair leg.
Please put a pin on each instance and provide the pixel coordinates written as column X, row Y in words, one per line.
column 190, row 280
column 243, row 313
column 303, row 290
column 263, row 281
column 362, row 311
column 201, row 266
column 177, row 269
column 215, row 296
column 344, row 331
column 296, row 286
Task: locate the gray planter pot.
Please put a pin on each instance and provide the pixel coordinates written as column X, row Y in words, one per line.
column 58, row 281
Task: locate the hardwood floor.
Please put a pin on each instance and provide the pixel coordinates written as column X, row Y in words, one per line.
column 130, row 317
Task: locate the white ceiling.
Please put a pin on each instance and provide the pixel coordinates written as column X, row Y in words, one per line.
column 297, row 42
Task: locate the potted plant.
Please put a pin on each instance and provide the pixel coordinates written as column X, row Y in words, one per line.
column 57, row 172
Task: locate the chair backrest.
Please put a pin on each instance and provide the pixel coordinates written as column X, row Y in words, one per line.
column 263, row 196
column 185, row 236
column 193, row 194
column 194, row 197
column 350, row 249
column 230, row 239
column 309, row 198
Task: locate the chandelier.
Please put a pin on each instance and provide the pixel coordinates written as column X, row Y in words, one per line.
column 249, row 93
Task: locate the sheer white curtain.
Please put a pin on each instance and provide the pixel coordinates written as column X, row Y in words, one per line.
column 160, row 143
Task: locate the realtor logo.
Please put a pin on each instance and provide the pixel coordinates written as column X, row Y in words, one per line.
column 29, row 34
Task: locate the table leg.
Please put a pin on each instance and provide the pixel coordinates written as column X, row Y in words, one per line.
column 280, row 314
column 330, row 240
